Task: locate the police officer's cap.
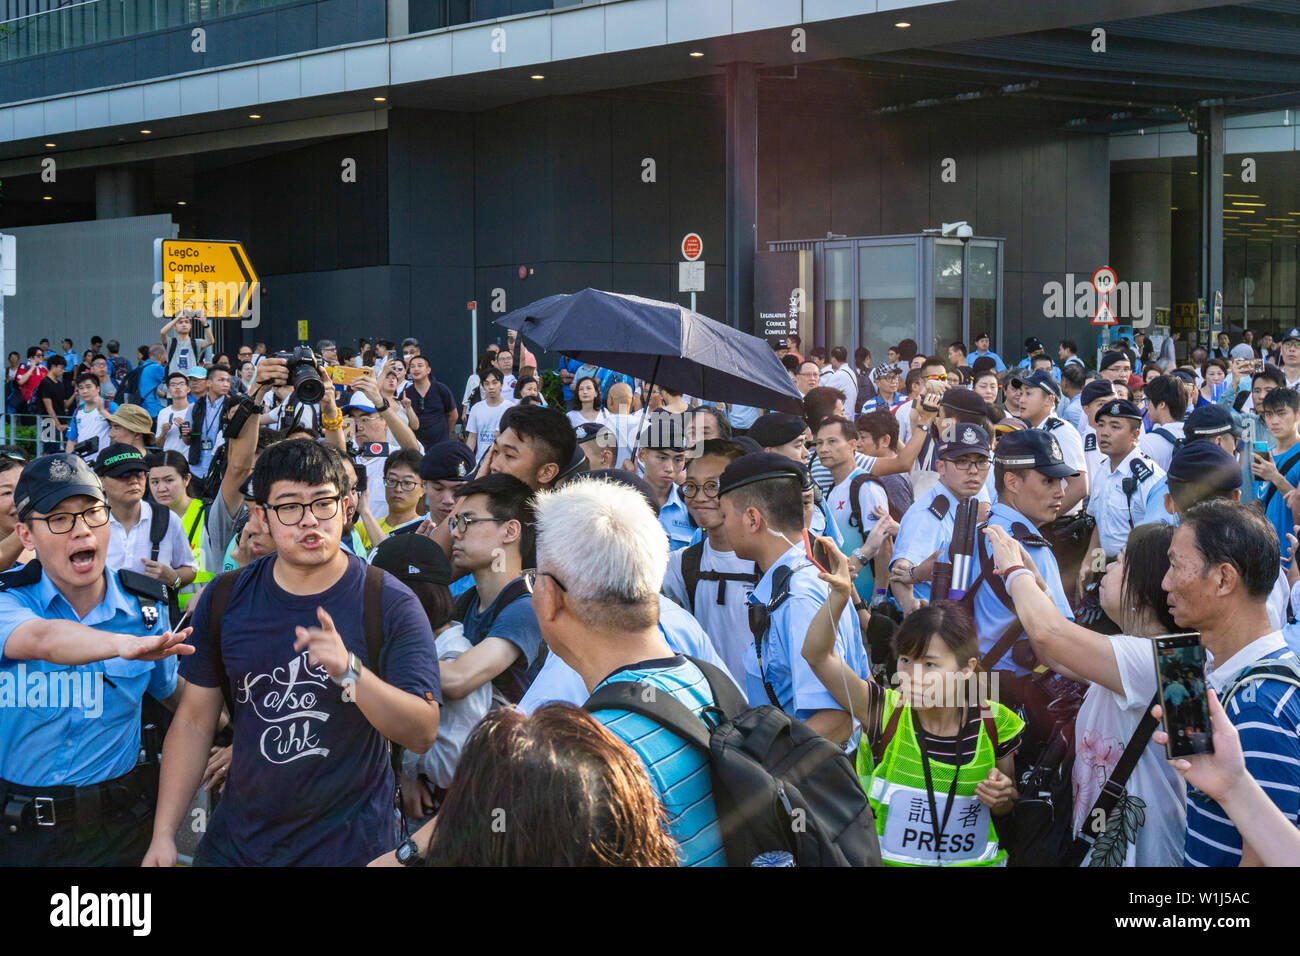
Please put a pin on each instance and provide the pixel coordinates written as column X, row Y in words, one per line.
column 1041, row 378
column 1110, row 358
column 777, row 428
column 981, row 335
column 748, row 444
column 1120, row 408
column 413, row 557
column 1033, row 449
column 1184, row 376
column 751, row 468
column 119, row 460
column 1032, row 345
column 1205, row 463
column 1097, row 388
column 961, row 439
column 51, row 479
column 964, row 401
column 1292, row 335
column 1210, row 421
column 447, row 461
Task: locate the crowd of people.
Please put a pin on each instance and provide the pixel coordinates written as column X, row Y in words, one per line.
column 571, row 617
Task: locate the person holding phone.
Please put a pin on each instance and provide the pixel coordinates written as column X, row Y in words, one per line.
column 1122, row 685
column 1277, row 473
column 1223, row 561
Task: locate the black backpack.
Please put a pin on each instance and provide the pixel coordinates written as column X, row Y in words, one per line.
column 692, row 575
column 777, row 784
column 131, row 387
column 898, row 490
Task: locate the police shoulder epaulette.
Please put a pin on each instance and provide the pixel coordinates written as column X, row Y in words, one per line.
column 1027, row 535
column 1090, row 443
column 29, row 573
column 1141, row 470
column 939, row 506
column 1051, row 423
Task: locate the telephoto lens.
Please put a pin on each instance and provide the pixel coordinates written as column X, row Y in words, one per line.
column 304, row 374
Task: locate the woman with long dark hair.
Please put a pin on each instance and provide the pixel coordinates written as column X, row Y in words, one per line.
column 587, row 405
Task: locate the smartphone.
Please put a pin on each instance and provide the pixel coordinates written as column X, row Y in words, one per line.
column 1180, row 673
column 346, row 374
column 1261, row 448
column 1256, row 365
column 816, row 552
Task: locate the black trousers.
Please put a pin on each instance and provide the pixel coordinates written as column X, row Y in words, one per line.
column 120, row 839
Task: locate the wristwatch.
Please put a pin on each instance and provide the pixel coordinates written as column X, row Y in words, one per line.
column 352, row 674
column 860, row 557
column 384, row 407
column 408, row 854
column 177, row 583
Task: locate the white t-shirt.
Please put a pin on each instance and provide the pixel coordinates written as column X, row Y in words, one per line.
column 726, row 624
column 186, row 355
column 577, row 420
column 844, row 381
column 457, row 717
column 483, row 421
column 870, row 496
column 173, row 441
column 1103, row 727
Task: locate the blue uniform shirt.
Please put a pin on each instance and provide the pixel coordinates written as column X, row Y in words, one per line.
column 84, row 729
column 921, row 533
column 999, row 365
column 798, row 691
column 991, row 615
column 676, row 522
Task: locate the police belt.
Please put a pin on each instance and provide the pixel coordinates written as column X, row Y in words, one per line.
column 31, row 808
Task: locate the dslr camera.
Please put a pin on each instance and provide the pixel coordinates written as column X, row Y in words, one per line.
column 304, row 374
column 87, row 449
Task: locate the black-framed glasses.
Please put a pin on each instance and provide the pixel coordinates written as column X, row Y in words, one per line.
column 710, row 488
column 405, row 484
column 460, row 524
column 61, row 522
column 291, row 512
column 969, row 464
column 530, row 580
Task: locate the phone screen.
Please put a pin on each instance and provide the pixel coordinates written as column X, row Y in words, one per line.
column 1180, row 671
column 816, row 552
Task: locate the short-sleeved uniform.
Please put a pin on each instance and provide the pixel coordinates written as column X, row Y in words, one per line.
column 1068, row 437
column 516, row 622
column 676, row 520
column 1125, row 498
column 926, row 528
column 310, row 782
column 1095, row 459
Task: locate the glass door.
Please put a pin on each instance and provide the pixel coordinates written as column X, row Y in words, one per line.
column 887, row 295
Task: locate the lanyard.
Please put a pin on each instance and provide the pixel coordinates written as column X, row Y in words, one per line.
column 210, row 433
column 939, row 828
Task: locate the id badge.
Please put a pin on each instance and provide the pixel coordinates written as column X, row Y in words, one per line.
column 207, row 444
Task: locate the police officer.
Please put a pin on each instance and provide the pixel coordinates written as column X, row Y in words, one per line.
column 79, row 648
column 1210, row 425
column 1125, row 495
column 926, row 528
column 1094, row 395
column 1029, row 472
column 762, row 512
column 789, row 435
column 1039, row 395
column 662, row 456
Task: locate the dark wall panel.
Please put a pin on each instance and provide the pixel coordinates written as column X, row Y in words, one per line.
column 854, row 176
column 904, row 175
column 578, row 137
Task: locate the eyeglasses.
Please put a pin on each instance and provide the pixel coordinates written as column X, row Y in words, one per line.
column 62, row 522
column 406, row 484
column 530, row 580
column 460, row 524
column 290, row 513
column 710, row 488
column 969, row 464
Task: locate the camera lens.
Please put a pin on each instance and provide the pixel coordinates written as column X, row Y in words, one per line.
column 307, row 384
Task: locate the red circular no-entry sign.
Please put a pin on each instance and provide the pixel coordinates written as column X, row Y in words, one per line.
column 692, row 246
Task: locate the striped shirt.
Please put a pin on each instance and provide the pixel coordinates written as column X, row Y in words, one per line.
column 821, row 475
column 940, row 749
column 1266, row 714
column 679, row 771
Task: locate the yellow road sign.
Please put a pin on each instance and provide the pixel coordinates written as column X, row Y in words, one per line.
column 214, row 276
column 302, row 330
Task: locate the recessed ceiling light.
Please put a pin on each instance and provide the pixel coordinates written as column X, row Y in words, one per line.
column 538, row 76
column 902, row 24
column 381, row 99
column 181, row 202
column 49, row 145
column 254, row 115
column 47, row 197
column 146, row 132
column 696, row 53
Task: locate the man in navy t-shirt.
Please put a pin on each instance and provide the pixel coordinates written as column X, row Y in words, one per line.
column 310, row 782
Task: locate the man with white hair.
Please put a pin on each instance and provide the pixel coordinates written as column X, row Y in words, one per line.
column 601, row 557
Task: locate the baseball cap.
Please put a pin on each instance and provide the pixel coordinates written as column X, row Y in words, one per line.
column 1039, row 379
column 1205, row 463
column 1291, row 334
column 961, row 439
column 131, row 417
column 1242, row 351
column 413, row 557
column 119, row 460
column 748, row 469
column 1097, row 388
column 1120, row 408
column 1209, row 421
column 1135, row 382
column 776, row 428
column 1033, row 449
column 51, row 479
column 447, row 461
column 1184, row 376
column 358, row 401
column 664, row 431
column 197, row 371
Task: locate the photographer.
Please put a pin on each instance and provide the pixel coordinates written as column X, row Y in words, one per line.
column 204, row 427
column 183, row 353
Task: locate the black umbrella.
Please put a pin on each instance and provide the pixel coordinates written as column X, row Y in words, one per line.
column 660, row 342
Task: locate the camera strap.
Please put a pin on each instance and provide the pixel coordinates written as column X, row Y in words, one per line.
column 922, row 740
column 1098, row 819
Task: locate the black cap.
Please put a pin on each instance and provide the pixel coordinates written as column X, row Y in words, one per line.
column 1097, row 388
column 602, row 434
column 962, row 439
column 1205, row 463
column 1034, row 449
column 1184, row 376
column 981, row 335
column 776, row 428
column 1291, row 334
column 748, row 469
column 447, row 461
column 1033, row 345
column 578, row 465
column 1119, row 408
column 746, row 443
column 1110, row 358
column 51, row 479
column 413, row 557
column 119, row 459
column 964, row 401
column 1210, row 421
column 1041, row 378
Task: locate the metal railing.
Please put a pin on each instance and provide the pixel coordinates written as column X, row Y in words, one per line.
column 36, row 435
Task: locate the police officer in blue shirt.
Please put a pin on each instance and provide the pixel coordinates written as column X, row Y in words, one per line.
column 79, row 648
column 762, row 509
column 982, row 350
column 662, row 453
column 1029, row 473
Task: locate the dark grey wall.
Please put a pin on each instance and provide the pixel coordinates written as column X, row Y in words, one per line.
column 236, row 39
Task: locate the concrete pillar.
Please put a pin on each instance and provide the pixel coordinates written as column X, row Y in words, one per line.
column 1209, row 166
column 1141, row 230
column 742, row 193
